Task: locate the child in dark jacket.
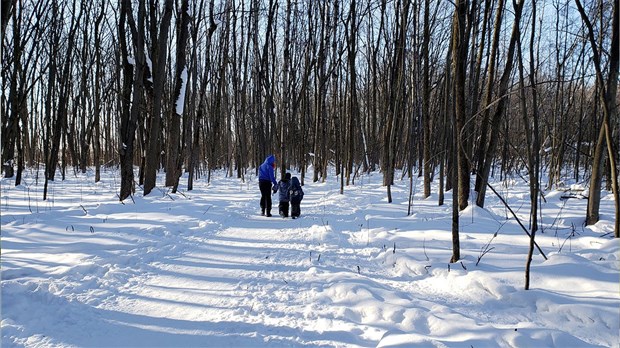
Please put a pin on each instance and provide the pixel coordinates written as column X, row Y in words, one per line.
column 296, row 194
column 283, row 187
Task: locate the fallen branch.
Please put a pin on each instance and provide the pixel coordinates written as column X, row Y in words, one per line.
column 516, row 218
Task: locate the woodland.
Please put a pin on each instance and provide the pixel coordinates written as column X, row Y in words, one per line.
column 436, row 89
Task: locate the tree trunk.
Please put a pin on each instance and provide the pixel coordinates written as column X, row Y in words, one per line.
column 608, row 101
column 446, row 138
column 160, row 57
column 486, row 113
column 176, row 152
column 320, row 141
column 60, row 123
column 533, row 143
column 489, row 153
column 426, row 115
column 132, row 105
column 396, row 102
column 353, row 102
column 459, row 64
column 98, row 103
column 460, row 180
column 10, row 119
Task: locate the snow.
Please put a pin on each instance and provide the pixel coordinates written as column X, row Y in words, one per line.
column 202, row 268
column 180, row 103
column 149, row 63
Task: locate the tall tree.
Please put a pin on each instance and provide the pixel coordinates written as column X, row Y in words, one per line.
column 609, row 88
column 174, row 163
column 490, row 147
column 159, row 55
column 396, row 101
column 353, row 98
column 195, row 102
column 320, row 107
column 58, row 125
column 22, row 77
column 98, row 94
column 445, row 156
column 132, row 90
column 460, row 176
column 10, row 118
column 460, row 43
column 531, row 138
column 285, row 110
column 426, row 115
column 488, row 98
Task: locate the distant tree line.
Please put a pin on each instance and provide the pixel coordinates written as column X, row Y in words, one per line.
column 440, row 89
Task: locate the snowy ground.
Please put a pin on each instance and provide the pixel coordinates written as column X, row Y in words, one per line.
column 202, row 268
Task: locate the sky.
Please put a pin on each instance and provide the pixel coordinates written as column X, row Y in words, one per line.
column 203, row 268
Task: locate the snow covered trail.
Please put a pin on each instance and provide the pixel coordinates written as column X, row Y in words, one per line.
column 202, row 268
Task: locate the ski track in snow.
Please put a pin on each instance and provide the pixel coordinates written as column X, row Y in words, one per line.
column 202, row 268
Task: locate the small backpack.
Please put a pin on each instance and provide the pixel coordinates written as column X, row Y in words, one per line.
column 295, row 191
column 284, row 187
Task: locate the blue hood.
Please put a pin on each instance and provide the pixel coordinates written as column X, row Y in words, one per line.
column 270, row 159
column 266, row 171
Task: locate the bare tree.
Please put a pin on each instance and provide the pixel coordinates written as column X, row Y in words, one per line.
column 460, row 176
column 608, row 101
column 531, row 138
column 445, row 156
column 426, row 115
column 353, row 98
column 159, row 55
column 98, row 94
column 493, row 137
column 58, row 124
column 320, row 108
column 396, row 102
column 132, row 90
column 21, row 79
column 174, row 163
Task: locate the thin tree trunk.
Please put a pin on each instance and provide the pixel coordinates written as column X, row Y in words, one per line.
column 353, row 102
column 459, row 55
column 533, row 144
column 459, row 64
column 447, row 110
column 426, row 115
column 98, row 103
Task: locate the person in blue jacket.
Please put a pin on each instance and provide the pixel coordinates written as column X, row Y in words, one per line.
column 267, row 182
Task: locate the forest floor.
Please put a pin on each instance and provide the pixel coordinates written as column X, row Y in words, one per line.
column 203, row 268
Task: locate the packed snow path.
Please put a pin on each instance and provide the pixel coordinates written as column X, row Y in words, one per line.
column 203, row 268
